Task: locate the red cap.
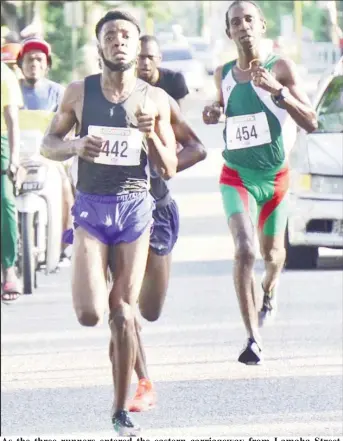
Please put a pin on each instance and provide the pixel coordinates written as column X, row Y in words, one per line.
column 35, row 44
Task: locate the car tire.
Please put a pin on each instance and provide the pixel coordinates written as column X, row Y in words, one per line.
column 300, row 257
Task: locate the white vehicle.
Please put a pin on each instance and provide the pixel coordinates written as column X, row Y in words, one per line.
column 39, row 204
column 204, row 52
column 181, row 59
column 316, row 215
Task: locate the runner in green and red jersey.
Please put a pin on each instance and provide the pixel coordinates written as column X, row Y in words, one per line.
column 263, row 102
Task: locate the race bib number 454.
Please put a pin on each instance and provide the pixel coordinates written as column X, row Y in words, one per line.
column 121, row 146
column 247, row 131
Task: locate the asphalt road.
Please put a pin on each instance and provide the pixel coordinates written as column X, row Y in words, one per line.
column 56, row 376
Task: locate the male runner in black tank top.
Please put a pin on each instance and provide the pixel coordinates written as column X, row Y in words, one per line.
column 165, row 229
column 113, row 208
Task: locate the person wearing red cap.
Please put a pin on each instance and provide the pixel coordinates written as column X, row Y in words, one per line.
column 40, row 93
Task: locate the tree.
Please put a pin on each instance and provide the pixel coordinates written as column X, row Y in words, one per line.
column 16, row 16
column 19, row 15
column 60, row 37
column 314, row 17
column 153, row 9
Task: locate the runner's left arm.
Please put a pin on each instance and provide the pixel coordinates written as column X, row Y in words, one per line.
column 193, row 150
column 56, row 145
column 296, row 102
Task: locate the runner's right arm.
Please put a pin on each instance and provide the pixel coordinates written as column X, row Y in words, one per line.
column 218, row 81
column 155, row 123
column 193, row 150
column 55, row 146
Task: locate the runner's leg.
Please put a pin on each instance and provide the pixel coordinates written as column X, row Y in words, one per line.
column 129, row 266
column 271, row 232
column 162, row 241
column 242, row 231
column 241, row 209
column 89, row 283
column 153, row 293
column 141, row 368
column 274, row 254
column 155, row 285
column 151, row 301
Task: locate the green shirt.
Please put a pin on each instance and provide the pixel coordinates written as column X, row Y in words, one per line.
column 258, row 134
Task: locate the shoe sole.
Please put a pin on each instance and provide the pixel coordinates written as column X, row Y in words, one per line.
column 250, row 358
column 7, row 301
column 128, row 432
column 251, row 363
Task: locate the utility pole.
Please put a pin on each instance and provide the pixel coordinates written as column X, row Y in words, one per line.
column 200, row 17
column 298, row 27
column 336, row 31
column 73, row 18
column 149, row 25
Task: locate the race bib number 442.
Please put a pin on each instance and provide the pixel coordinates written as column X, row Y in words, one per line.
column 247, row 131
column 121, row 146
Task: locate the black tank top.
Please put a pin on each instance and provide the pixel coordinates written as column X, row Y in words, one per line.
column 169, row 81
column 105, row 179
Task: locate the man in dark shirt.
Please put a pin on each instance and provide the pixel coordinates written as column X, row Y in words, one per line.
column 166, row 217
column 149, row 61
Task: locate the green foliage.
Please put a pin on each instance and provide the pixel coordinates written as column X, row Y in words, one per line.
column 60, row 38
column 189, row 16
column 273, row 10
column 149, row 5
column 158, row 10
column 318, row 21
column 314, row 18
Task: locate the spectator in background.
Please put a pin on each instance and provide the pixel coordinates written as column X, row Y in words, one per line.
column 40, row 93
column 11, row 101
